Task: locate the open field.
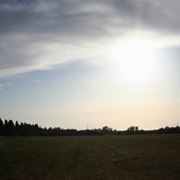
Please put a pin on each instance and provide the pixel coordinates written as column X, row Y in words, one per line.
column 81, row 158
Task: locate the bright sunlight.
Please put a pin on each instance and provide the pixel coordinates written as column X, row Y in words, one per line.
column 136, row 60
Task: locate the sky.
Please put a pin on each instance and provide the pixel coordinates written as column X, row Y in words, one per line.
column 70, row 63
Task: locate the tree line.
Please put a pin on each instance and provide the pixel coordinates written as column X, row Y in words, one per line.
column 9, row 128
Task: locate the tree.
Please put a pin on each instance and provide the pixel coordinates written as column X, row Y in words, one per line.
column 106, row 130
column 133, row 129
column 1, row 127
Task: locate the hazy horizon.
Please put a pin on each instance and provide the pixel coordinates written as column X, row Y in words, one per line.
column 70, row 63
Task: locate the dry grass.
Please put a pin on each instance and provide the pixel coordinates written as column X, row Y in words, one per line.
column 81, row 158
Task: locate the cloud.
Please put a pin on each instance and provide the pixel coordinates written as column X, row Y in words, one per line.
column 3, row 85
column 36, row 34
column 37, row 80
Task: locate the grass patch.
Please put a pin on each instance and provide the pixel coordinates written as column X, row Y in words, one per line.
column 102, row 157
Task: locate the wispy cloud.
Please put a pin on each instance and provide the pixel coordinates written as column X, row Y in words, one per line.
column 3, row 85
column 37, row 80
column 36, row 34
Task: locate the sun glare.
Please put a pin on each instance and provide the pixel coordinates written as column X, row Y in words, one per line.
column 136, row 60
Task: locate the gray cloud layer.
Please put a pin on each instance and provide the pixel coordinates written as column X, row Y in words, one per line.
column 29, row 28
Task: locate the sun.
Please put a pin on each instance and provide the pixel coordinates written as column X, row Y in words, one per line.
column 135, row 59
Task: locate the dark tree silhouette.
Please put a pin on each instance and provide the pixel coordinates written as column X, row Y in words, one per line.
column 133, row 129
column 1, row 127
column 8, row 128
